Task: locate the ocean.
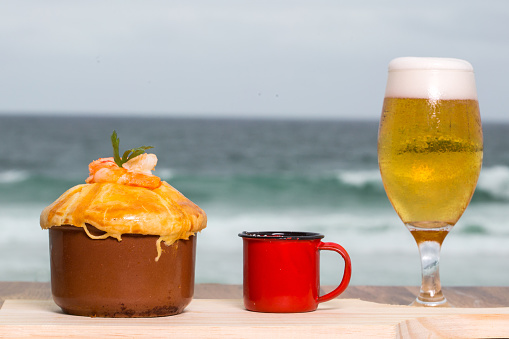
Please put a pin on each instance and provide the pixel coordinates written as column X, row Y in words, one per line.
column 249, row 175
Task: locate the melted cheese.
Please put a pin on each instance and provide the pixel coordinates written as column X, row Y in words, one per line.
column 119, row 209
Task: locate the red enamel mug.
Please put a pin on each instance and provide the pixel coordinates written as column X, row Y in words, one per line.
column 282, row 271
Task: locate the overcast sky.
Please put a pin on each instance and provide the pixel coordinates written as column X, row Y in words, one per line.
column 315, row 58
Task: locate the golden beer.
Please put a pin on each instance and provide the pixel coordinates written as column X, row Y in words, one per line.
column 430, row 154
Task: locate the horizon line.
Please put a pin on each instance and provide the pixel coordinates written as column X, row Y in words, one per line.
column 198, row 116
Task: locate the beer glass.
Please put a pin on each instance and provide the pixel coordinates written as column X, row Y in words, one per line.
column 430, row 149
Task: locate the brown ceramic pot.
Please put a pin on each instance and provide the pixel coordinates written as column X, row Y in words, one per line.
column 110, row 278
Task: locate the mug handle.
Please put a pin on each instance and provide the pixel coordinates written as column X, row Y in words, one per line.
column 330, row 246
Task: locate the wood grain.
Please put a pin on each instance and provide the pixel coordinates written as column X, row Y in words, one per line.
column 456, row 326
column 217, row 318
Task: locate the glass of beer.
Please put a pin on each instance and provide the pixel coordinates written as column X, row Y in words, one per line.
column 430, row 149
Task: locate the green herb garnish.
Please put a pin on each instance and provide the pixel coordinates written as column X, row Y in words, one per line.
column 129, row 154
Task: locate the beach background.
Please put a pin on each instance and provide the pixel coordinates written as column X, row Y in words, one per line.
column 264, row 113
column 248, row 174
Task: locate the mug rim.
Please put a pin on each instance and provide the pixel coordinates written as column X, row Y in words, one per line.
column 281, row 235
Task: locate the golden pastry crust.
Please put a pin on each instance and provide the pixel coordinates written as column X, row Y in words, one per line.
column 117, row 209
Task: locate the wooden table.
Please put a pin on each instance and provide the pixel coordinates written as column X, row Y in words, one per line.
column 396, row 295
column 218, row 312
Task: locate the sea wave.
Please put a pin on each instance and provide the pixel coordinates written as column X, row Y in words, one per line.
column 494, row 183
column 374, row 237
column 360, row 178
column 13, row 176
column 362, row 187
column 165, row 173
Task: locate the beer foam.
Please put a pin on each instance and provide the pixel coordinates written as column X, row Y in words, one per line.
column 431, row 78
column 407, row 63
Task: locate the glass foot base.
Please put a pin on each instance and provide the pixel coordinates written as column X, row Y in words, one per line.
column 441, row 303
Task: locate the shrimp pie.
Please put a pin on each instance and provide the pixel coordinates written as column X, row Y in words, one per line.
column 124, row 243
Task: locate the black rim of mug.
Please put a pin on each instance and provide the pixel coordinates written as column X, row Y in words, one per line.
column 281, row 235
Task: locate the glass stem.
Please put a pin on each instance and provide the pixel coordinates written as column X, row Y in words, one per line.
column 431, row 289
column 429, row 241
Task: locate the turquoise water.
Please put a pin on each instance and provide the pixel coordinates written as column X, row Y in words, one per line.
column 251, row 175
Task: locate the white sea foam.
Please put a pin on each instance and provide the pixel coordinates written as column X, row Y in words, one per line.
column 164, row 173
column 433, row 78
column 495, row 180
column 382, row 250
column 19, row 223
column 360, row 178
column 13, row 176
column 24, row 253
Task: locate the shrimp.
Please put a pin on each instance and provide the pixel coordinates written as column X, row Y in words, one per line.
column 135, row 172
column 143, row 163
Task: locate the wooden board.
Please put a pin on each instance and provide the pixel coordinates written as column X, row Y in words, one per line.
column 214, row 318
